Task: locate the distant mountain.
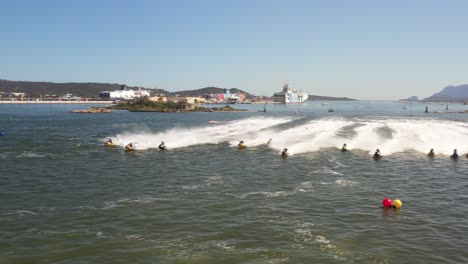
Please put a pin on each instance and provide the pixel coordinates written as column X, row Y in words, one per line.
column 328, row 98
column 208, row 90
column 90, row 90
column 37, row 89
column 450, row 94
column 217, row 90
column 412, row 98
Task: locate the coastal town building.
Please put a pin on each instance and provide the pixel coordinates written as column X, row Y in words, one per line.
column 187, row 99
column 227, row 96
column 124, row 93
column 158, row 98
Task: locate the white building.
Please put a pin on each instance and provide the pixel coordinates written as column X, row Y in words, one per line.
column 123, row 94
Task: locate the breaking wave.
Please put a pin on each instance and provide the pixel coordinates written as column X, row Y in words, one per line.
column 390, row 135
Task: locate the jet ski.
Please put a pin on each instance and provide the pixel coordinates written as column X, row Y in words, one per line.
column 129, row 147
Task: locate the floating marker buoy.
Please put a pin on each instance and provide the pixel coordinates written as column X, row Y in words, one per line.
column 397, row 204
column 386, row 202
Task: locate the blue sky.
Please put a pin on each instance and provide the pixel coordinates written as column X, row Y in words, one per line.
column 359, row 49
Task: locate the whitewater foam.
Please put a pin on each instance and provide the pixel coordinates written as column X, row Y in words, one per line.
column 268, row 194
column 327, row 171
column 234, row 131
column 27, row 154
column 390, row 135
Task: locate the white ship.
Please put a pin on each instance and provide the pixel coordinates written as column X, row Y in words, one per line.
column 290, row 96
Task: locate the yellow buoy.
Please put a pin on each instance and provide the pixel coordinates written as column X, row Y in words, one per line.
column 397, row 204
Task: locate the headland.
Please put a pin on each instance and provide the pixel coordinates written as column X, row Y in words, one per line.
column 145, row 105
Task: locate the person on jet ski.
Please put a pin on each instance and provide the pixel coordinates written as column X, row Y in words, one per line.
column 344, row 148
column 454, row 155
column 162, row 146
column 431, row 153
column 377, row 154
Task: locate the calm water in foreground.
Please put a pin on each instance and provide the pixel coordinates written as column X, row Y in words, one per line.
column 64, row 198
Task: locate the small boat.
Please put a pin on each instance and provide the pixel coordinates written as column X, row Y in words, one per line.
column 331, row 110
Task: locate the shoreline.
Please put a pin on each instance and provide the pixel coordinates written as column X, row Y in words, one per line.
column 56, row 102
column 184, row 111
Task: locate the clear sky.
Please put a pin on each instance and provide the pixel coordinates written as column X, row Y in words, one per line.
column 359, row 49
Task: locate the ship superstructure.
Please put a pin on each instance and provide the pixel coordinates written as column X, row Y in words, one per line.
column 290, row 96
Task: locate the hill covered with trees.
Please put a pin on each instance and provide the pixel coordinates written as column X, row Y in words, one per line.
column 38, row 89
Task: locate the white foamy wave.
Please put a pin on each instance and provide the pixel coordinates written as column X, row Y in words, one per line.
column 219, row 244
column 390, row 135
column 303, row 234
column 234, row 131
column 267, row 194
column 134, row 237
column 309, row 137
column 412, row 134
column 209, row 182
column 128, row 201
column 338, row 164
column 27, row 154
column 305, row 187
column 327, row 171
column 343, row 182
column 192, row 187
column 20, row 213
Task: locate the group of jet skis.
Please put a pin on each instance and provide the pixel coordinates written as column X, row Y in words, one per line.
column 284, row 153
column 378, row 155
column 129, row 146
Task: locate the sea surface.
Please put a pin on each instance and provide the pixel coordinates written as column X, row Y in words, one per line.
column 65, row 198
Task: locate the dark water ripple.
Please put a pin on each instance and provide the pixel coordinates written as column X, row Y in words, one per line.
column 66, row 199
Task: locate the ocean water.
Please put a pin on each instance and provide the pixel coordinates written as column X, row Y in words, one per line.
column 64, row 198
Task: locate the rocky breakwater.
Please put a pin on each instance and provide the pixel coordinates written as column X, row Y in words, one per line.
column 93, row 110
